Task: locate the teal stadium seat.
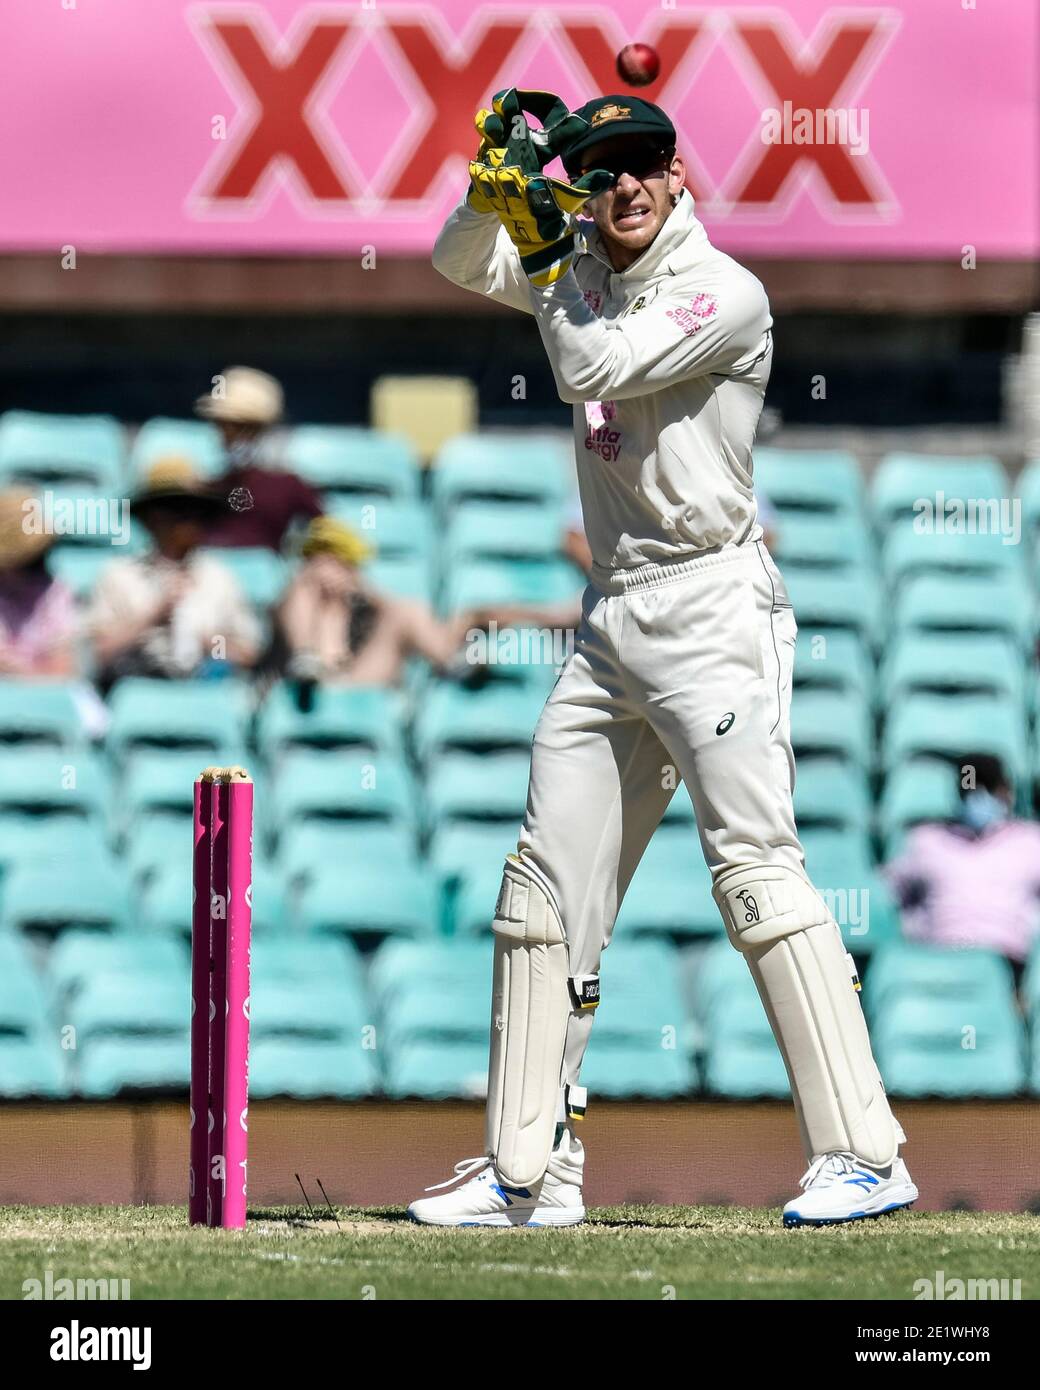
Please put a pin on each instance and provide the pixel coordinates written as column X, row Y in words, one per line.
column 519, row 467
column 478, row 787
column 342, row 783
column 999, row 603
column 923, row 789
column 947, row 725
column 943, row 662
column 130, row 1006
column 923, row 1048
column 670, row 892
column 741, row 1059
column 403, row 576
column 332, row 1008
column 203, row 715
column 833, row 722
column 393, row 527
column 311, row 1069
column 369, row 716
column 163, row 841
column 154, row 780
column 275, row 959
column 165, row 897
column 433, row 1002
column 25, row 838
column 261, row 574
column 906, row 552
column 32, row 1065
column 196, row 440
column 825, row 599
column 338, row 458
column 831, row 791
column 833, row 660
column 909, row 970
column 79, row 955
column 501, row 530
column 901, row 480
column 375, row 847
column 821, row 480
column 459, row 849
column 41, row 448
column 31, row 1060
column 55, row 783
column 42, row 713
column 838, row 541
column 109, row 1067
column 499, row 715
column 639, row 1042
column 484, row 583
column 360, row 904
column 42, row 896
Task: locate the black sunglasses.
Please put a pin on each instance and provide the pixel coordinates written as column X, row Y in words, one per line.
column 640, row 163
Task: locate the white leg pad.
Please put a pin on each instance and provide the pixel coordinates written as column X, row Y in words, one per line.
column 530, row 1009
column 805, row 978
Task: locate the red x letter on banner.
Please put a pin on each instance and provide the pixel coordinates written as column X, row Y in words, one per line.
column 812, row 86
column 457, row 94
column 282, row 90
column 673, row 41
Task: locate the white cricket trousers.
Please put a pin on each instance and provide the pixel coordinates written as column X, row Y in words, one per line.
column 685, row 672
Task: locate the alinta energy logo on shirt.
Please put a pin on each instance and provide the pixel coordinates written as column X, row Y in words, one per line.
column 602, row 437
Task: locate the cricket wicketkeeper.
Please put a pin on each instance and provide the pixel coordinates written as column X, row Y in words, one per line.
column 682, row 660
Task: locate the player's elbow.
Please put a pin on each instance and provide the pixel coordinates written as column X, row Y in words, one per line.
column 575, row 388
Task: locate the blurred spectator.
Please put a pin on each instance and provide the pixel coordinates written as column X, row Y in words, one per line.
column 334, row 627
column 974, row 881
column 173, row 611
column 37, row 612
column 263, row 502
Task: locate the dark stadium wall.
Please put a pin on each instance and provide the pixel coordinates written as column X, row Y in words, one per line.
column 888, row 371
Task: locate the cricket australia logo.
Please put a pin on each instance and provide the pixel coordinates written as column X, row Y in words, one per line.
column 750, row 906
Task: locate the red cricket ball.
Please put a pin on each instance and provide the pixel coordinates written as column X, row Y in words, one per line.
column 638, row 64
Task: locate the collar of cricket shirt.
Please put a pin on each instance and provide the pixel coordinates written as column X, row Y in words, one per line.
column 679, row 244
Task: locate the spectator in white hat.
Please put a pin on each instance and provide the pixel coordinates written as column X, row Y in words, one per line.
column 174, row 611
column 263, row 502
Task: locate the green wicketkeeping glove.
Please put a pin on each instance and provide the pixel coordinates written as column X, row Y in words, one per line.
column 535, row 210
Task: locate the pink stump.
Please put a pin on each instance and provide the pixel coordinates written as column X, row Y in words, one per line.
column 220, row 981
column 236, row 1046
column 198, row 1162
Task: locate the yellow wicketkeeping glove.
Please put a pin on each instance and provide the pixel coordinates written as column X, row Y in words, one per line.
column 536, row 211
column 491, row 152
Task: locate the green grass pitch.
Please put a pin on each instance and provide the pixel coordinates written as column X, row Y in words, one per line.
column 620, row 1253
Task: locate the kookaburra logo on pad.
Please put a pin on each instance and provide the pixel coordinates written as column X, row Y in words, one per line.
column 750, row 906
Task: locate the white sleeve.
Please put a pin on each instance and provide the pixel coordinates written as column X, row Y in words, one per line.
column 683, row 333
column 474, row 252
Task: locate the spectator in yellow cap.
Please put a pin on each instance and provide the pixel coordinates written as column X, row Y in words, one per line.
column 336, row 628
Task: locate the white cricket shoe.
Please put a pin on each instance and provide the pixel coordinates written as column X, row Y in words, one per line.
column 839, row 1187
column 488, row 1200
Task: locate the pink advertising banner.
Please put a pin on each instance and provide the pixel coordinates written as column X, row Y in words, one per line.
column 277, row 127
